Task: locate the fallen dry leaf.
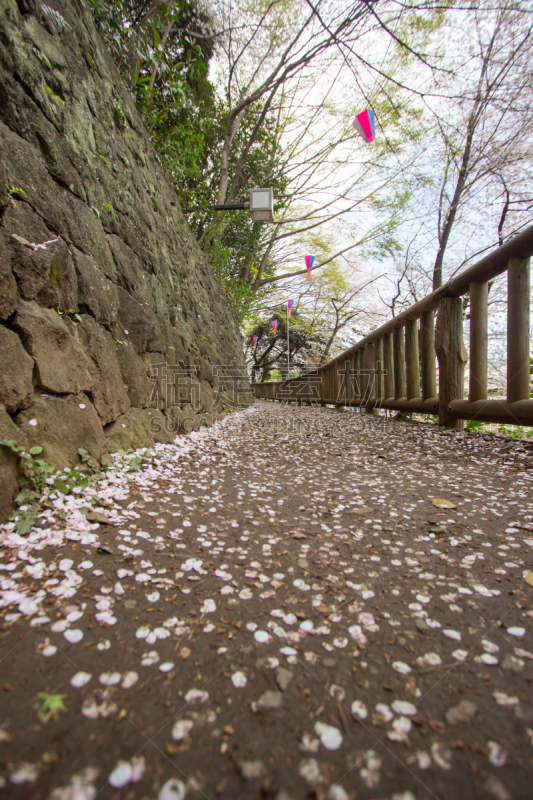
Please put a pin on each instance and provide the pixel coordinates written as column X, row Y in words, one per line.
column 440, row 502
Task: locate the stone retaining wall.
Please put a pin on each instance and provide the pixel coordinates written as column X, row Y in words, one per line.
column 124, row 285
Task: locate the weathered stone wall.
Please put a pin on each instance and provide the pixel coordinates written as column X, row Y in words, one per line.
column 124, row 261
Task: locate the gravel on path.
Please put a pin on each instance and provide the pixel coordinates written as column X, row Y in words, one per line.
column 296, row 603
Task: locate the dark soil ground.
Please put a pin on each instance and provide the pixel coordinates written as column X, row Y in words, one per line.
column 296, row 603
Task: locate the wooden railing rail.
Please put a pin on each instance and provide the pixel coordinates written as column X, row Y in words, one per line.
column 394, row 366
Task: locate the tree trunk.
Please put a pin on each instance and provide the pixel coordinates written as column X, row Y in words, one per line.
column 164, row 38
column 231, row 129
column 452, row 211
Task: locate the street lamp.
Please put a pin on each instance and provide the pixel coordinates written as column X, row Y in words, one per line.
column 262, row 205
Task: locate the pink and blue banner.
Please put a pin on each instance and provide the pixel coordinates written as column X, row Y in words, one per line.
column 309, row 263
column 275, row 325
column 255, row 341
column 364, row 124
column 289, row 306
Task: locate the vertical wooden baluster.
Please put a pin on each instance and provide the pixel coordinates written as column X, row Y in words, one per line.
column 518, row 356
column 335, row 378
column 363, row 353
column 399, row 363
column 412, row 367
column 357, row 377
column 371, row 376
column 365, row 376
column 388, row 365
column 372, row 379
column 452, row 356
column 380, row 390
column 427, row 348
column 317, row 381
column 347, row 382
column 479, row 293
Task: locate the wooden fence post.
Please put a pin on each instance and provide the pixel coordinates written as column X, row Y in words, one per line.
column 518, row 330
column 356, row 359
column 347, row 382
column 427, row 355
column 452, row 357
column 369, row 377
column 399, row 363
column 378, row 349
column 388, row 364
column 479, row 293
column 412, row 359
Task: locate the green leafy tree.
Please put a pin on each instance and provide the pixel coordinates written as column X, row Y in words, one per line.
column 162, row 51
column 269, row 356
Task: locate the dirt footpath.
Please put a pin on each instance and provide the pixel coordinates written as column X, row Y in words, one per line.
column 297, row 603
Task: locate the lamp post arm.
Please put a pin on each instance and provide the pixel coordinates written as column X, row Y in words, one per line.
column 223, row 207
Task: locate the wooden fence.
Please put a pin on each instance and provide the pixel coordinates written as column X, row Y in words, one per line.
column 394, row 367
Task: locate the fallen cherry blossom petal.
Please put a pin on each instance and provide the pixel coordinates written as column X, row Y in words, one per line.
column 173, row 789
column 497, row 754
column 196, row 696
column 359, row 709
column 73, row 635
column 181, row 729
column 239, row 680
column 401, row 667
column 80, row 679
column 121, row 774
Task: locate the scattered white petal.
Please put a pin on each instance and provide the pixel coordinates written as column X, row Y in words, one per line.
column 519, row 632
column 359, row 709
column 330, row 737
column 150, row 658
column 451, row 634
column 109, row 678
column 310, row 771
column 129, row 679
column 429, row 660
column 504, row 699
column 404, row 707
column 401, row 667
column 488, row 659
column 24, row 773
column 73, row 635
column 497, row 754
column 181, row 729
column 400, row 728
column 442, row 755
column 80, row 679
column 121, row 775
column 460, row 655
column 196, row 696
column 239, row 680
column 173, row 789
